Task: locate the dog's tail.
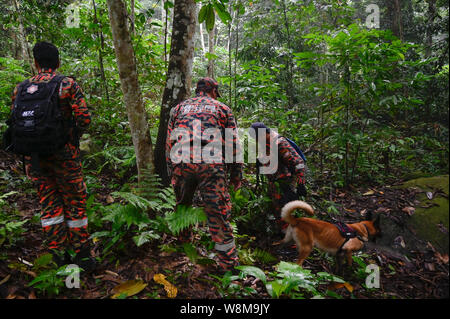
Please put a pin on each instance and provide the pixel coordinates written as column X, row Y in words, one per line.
column 286, row 211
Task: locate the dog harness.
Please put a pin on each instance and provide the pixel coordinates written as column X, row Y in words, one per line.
column 347, row 232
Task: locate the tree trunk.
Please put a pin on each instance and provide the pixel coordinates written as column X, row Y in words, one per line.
column 25, row 50
column 100, row 51
column 178, row 80
column 432, row 11
column 132, row 96
column 395, row 17
column 166, row 22
column 229, row 56
column 202, row 41
column 132, row 17
column 211, row 53
column 398, row 19
column 289, row 61
column 235, row 58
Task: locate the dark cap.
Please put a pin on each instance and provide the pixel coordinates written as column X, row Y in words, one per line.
column 206, row 85
column 255, row 126
column 258, row 125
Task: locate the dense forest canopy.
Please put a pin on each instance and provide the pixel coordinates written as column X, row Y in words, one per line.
column 364, row 102
column 361, row 86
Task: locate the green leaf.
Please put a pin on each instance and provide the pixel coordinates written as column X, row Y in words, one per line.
column 184, row 217
column 222, row 12
column 145, row 237
column 42, row 261
column 210, row 18
column 167, row 5
column 202, row 14
column 7, row 194
column 191, row 252
column 276, row 288
column 253, row 271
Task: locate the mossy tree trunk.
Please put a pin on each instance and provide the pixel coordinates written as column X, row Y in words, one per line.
column 132, row 97
column 178, row 81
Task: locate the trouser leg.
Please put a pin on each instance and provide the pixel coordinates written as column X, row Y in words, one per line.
column 281, row 192
column 211, row 183
column 52, row 213
column 217, row 205
column 184, row 183
column 73, row 190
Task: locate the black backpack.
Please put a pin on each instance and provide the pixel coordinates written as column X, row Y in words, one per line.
column 37, row 127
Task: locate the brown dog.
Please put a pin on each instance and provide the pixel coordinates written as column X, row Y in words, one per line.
column 309, row 233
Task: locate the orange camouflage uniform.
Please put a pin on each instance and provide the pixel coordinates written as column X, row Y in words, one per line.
column 210, row 179
column 290, row 172
column 60, row 182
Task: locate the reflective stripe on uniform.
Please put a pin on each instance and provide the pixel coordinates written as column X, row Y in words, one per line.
column 52, row 221
column 224, row 247
column 77, row 223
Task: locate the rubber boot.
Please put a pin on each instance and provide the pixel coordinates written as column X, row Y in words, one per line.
column 60, row 257
column 84, row 260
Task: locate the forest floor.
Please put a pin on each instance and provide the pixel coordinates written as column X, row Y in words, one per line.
column 422, row 274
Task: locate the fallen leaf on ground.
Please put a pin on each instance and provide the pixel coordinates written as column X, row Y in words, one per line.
column 5, row 280
column 399, row 241
column 348, row 287
column 430, row 266
column 109, row 199
column 409, row 210
column 442, row 228
column 442, row 258
column 25, row 262
column 168, row 287
column 128, row 288
column 370, row 192
column 382, row 210
column 338, row 285
column 111, row 273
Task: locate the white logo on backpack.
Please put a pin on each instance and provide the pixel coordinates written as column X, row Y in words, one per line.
column 31, row 89
column 28, row 113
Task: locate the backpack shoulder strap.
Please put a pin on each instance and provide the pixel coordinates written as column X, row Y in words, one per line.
column 58, row 79
column 20, row 87
column 295, row 147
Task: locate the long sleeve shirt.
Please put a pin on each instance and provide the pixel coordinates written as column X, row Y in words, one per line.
column 195, row 125
column 290, row 163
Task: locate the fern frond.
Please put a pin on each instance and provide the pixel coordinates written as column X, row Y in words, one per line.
column 184, row 217
column 133, row 199
column 264, row 256
column 151, row 188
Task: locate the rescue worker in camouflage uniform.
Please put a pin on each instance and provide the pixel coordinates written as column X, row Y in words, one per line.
column 287, row 183
column 190, row 121
column 59, row 180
